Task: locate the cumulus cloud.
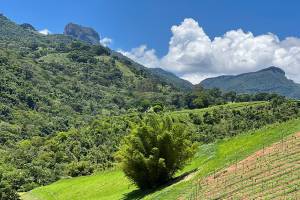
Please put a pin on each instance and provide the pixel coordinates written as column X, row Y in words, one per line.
column 143, row 55
column 45, row 32
column 106, row 41
column 192, row 55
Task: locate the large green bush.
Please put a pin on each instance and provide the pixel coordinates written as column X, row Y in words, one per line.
column 81, row 168
column 6, row 191
column 154, row 151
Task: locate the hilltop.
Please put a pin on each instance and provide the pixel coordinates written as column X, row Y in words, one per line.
column 86, row 34
column 270, row 80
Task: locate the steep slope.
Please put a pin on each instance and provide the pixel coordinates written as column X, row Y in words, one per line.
column 86, row 34
column 51, row 83
column 14, row 36
column 51, row 87
column 270, row 80
column 164, row 76
column 172, row 79
column 271, row 173
column 90, row 36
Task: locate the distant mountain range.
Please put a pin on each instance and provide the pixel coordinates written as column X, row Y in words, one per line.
column 270, row 80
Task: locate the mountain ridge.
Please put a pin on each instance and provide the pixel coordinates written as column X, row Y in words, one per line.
column 64, row 81
column 83, row 33
column 172, row 78
column 269, row 80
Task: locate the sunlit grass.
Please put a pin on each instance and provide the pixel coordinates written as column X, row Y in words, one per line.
column 114, row 185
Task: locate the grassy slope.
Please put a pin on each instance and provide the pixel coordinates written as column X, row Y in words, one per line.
column 223, row 153
column 113, row 184
column 107, row 185
column 273, row 172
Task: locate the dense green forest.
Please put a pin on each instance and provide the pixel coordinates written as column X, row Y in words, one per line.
column 65, row 106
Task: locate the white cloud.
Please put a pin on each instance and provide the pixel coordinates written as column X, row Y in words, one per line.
column 106, row 41
column 195, row 77
column 143, row 55
column 45, row 32
column 194, row 56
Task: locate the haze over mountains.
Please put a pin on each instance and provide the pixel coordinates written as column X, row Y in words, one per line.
column 270, row 80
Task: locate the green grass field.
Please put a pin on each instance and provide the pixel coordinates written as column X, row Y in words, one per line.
column 228, row 105
column 111, row 185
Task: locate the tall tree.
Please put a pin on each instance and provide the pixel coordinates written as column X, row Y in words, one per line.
column 155, row 150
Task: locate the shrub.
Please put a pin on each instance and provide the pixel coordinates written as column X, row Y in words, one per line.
column 100, row 50
column 82, row 57
column 3, row 60
column 81, row 168
column 6, row 191
column 154, row 151
column 157, row 108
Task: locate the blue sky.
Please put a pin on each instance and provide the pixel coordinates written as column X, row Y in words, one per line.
column 133, row 23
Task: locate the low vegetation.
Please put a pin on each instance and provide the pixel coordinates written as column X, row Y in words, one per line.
column 208, row 159
column 6, row 190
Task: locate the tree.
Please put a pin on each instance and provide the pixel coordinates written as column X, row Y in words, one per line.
column 100, row 50
column 6, row 191
column 243, row 98
column 81, row 168
column 230, row 96
column 154, row 151
column 277, row 101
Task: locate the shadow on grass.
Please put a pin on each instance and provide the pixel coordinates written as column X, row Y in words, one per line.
column 139, row 194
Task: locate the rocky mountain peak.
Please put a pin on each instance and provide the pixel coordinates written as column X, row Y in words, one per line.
column 28, row 26
column 274, row 69
column 85, row 34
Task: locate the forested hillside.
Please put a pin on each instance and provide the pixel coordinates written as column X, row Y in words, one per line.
column 51, row 83
column 270, row 80
column 56, row 83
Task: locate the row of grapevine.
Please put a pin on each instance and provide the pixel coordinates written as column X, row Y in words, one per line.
column 271, row 173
